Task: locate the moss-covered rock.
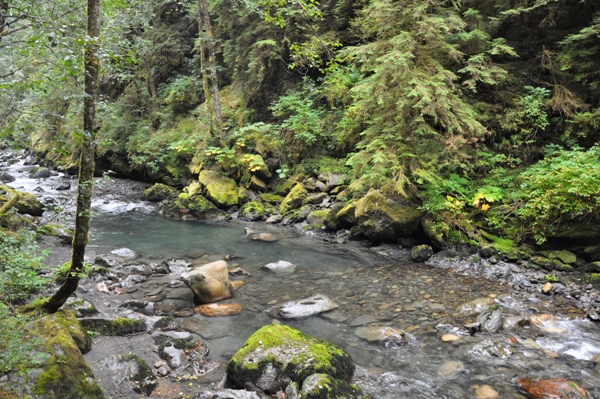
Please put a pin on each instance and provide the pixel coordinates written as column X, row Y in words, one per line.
column 271, row 198
column 323, row 386
column 564, row 256
column 257, row 184
column 385, row 220
column 196, row 207
column 252, row 210
column 140, row 374
column 159, row 192
column 114, row 327
column 294, row 198
column 435, row 232
column 220, row 189
column 277, row 354
column 346, row 216
column 317, row 217
column 64, row 374
column 27, row 204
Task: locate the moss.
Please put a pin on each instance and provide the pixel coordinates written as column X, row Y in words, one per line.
column 252, row 210
column 294, row 198
column 294, row 354
column 222, row 190
column 114, row 327
column 346, row 215
column 318, row 217
column 65, row 374
column 323, row 386
column 51, row 229
column 159, row 192
column 198, row 207
column 143, row 379
column 271, row 198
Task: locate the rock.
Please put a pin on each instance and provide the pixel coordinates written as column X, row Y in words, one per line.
column 556, row 388
column 140, row 375
column 294, row 199
column 280, row 266
column 485, row 392
column 80, row 307
column 276, row 355
column 475, row 306
column 421, row 253
column 314, row 199
column 260, row 236
column 209, row 283
column 592, row 252
column 491, row 319
column 303, row 308
column 119, row 326
column 228, row 394
column 546, row 288
column 63, row 372
column 6, row 177
column 381, row 334
column 332, row 180
column 273, row 219
column 198, row 206
column 103, row 287
column 159, row 192
column 320, row 385
column 257, row 184
column 451, row 369
column 40, row 173
column 27, row 204
column 143, row 307
column 218, row 309
column 564, row 256
column 450, row 338
column 125, row 253
column 434, row 231
column 346, row 216
column 385, row 220
column 252, row 211
column 317, row 217
column 270, row 198
column 513, row 322
column 63, row 187
column 221, row 189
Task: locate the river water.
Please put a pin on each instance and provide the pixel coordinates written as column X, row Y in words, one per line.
column 380, row 284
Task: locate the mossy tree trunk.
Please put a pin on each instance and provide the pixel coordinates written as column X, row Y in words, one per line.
column 204, row 24
column 86, row 161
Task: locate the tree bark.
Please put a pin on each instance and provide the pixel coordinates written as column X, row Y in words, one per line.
column 212, row 62
column 86, row 161
column 3, row 14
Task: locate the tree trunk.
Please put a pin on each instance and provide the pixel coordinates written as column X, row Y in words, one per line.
column 3, row 14
column 212, row 61
column 86, row 161
column 202, row 56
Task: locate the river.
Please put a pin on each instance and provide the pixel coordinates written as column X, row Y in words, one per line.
column 380, row 285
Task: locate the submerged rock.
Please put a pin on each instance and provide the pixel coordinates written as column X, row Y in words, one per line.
column 555, row 388
column 209, row 283
column 321, row 385
column 304, row 308
column 381, row 334
column 218, row 309
column 259, row 236
column 276, row 355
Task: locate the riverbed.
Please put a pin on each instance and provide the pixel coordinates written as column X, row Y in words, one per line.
column 370, row 285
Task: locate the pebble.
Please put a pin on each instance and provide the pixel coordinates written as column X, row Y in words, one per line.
column 546, row 288
column 450, row 338
column 485, row 392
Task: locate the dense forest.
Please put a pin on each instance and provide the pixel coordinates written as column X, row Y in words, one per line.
column 461, row 123
column 485, row 114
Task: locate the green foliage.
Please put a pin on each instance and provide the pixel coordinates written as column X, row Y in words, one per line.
column 16, row 348
column 551, row 278
column 563, row 186
column 20, row 262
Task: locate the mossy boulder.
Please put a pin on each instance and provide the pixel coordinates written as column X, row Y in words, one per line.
column 383, row 219
column 221, row 190
column 197, row 206
column 119, row 326
column 271, row 198
column 323, row 386
column 141, row 377
column 294, row 198
column 64, row 373
column 317, row 217
column 27, row 203
column 564, row 256
column 252, row 210
column 276, row 355
column 159, row 192
column 435, row 232
column 346, row 216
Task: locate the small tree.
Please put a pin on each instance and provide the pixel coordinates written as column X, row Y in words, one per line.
column 86, row 161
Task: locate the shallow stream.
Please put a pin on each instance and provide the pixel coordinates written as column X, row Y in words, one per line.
column 381, row 285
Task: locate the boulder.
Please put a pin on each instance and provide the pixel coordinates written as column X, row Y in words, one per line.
column 385, row 220
column 306, row 307
column 421, row 253
column 63, row 372
column 317, row 386
column 6, row 177
column 435, row 231
column 119, row 326
column 317, row 217
column 294, row 198
column 133, row 370
column 221, row 189
column 159, row 192
column 332, row 180
column 346, row 216
column 40, row 173
column 26, row 204
column 198, row 206
column 209, row 283
column 252, row 211
column 475, row 306
column 257, row 184
column 276, row 355
column 566, row 257
column 490, row 320
column 314, row 199
column 558, row 388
